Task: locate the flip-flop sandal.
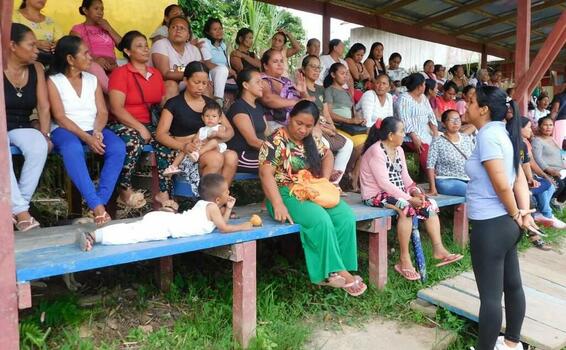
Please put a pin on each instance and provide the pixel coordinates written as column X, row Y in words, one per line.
column 541, row 244
column 334, row 281
column 135, row 201
column 361, row 286
column 26, row 225
column 406, row 273
column 103, row 219
column 171, row 170
column 447, row 260
column 83, row 238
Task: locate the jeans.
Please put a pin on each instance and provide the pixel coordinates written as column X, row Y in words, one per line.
column 70, row 147
column 543, row 194
column 34, row 149
column 451, row 187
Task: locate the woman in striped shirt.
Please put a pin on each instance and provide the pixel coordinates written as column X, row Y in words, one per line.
column 414, row 109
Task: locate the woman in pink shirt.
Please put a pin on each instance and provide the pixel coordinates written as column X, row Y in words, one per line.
column 385, row 183
column 100, row 38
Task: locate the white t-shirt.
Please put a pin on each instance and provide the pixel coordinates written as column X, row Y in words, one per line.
column 371, row 107
column 325, row 62
column 162, row 30
column 81, row 110
column 176, row 60
column 205, row 131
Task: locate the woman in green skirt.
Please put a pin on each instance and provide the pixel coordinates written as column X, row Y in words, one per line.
column 328, row 236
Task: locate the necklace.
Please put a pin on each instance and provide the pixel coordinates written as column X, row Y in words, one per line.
column 19, row 89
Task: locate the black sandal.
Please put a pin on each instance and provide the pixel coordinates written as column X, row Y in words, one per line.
column 540, row 244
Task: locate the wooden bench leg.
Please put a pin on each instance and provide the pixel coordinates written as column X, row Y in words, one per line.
column 164, row 273
column 24, row 295
column 461, row 235
column 378, row 251
column 244, row 293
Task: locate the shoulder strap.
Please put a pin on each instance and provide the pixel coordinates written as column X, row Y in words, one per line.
column 140, row 88
column 458, row 149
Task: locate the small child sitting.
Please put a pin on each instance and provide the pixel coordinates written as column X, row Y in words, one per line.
column 212, row 211
column 211, row 114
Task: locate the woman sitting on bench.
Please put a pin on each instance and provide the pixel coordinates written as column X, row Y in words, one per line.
column 328, row 235
column 78, row 108
column 385, row 183
column 24, row 90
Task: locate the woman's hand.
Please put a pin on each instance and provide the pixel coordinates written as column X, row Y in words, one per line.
column 104, row 24
column 145, row 134
column 416, row 202
column 98, row 135
column 281, row 214
column 95, row 144
column 534, row 184
column 524, row 219
column 103, row 62
column 191, row 146
column 357, row 121
column 418, row 143
column 45, row 45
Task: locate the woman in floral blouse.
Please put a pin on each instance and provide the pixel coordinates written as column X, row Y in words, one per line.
column 328, row 235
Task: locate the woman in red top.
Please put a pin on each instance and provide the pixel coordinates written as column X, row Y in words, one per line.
column 133, row 87
column 447, row 100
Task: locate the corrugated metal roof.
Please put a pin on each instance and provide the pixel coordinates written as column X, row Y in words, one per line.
column 481, row 21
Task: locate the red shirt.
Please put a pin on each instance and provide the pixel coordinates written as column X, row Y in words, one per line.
column 442, row 105
column 122, row 79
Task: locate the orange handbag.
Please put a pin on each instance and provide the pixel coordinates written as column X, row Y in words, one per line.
column 321, row 191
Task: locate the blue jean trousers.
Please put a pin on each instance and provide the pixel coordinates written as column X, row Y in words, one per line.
column 451, row 187
column 543, row 194
column 70, row 147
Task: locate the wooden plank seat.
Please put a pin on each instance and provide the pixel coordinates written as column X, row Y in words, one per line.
column 52, row 251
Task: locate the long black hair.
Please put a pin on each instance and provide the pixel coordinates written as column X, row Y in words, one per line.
column 413, row 81
column 495, row 99
column 314, row 159
column 430, row 85
column 373, row 46
column 388, row 125
column 329, row 79
column 193, row 68
column 355, row 48
column 241, row 35
column 23, row 5
column 206, row 29
column 244, row 77
column 67, row 45
column 127, row 41
column 18, row 32
column 450, row 85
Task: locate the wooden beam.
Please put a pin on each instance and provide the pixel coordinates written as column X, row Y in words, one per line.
column 540, row 24
column 509, row 15
column 325, row 29
column 544, row 58
column 483, row 57
column 9, row 336
column 393, row 6
column 522, row 48
column 443, row 15
column 388, row 25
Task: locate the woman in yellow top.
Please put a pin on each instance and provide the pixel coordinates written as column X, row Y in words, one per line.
column 45, row 29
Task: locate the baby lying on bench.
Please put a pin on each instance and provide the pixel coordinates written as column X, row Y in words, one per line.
column 212, row 211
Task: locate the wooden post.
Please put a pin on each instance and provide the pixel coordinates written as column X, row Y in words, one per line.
column 522, row 49
column 244, row 311
column 9, row 337
column 164, row 273
column 24, row 295
column 154, row 180
column 377, row 254
column 483, row 56
column 461, row 229
column 325, row 29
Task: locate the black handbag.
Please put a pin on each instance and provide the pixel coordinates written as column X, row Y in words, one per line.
column 352, row 129
column 154, row 109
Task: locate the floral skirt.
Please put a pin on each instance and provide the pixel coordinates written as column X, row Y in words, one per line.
column 190, row 171
column 382, row 200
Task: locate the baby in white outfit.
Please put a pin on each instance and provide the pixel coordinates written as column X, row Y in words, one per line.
column 206, row 135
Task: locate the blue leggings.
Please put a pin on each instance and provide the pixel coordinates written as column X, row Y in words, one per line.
column 70, row 147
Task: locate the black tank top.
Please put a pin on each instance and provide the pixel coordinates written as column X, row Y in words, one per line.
column 20, row 103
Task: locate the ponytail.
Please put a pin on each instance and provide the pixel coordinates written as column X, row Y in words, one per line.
column 381, row 130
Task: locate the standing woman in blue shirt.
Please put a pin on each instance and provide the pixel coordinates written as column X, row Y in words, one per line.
column 498, row 202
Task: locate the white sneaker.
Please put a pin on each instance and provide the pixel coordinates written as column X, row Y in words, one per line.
column 500, row 345
column 557, row 223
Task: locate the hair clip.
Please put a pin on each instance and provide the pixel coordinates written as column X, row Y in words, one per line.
column 378, row 123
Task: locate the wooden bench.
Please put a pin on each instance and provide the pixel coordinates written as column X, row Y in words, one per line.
column 52, row 251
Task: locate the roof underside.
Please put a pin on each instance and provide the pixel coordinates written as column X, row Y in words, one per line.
column 482, row 21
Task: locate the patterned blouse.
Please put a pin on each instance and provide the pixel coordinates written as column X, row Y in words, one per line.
column 286, row 156
column 394, row 170
column 446, row 160
column 416, row 116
